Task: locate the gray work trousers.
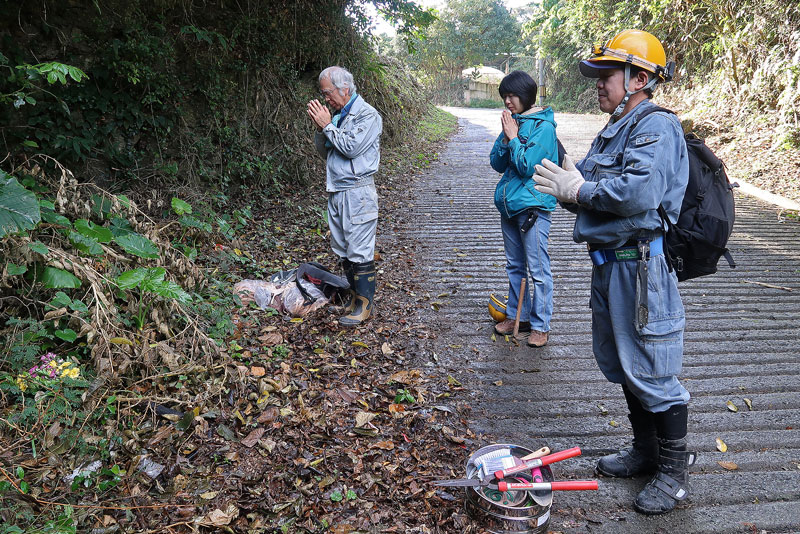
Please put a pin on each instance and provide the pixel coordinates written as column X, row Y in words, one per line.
column 353, row 220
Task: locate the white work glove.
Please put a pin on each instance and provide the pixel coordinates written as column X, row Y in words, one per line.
column 561, row 183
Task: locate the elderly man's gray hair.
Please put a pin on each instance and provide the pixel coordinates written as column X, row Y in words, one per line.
column 340, row 78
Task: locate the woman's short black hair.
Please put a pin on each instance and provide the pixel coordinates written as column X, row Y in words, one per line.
column 521, row 84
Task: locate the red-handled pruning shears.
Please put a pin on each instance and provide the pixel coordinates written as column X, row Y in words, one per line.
column 575, row 485
column 564, row 485
column 538, row 462
column 502, row 485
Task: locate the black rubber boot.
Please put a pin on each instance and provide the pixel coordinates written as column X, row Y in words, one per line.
column 349, row 296
column 364, row 281
column 642, row 456
column 670, row 485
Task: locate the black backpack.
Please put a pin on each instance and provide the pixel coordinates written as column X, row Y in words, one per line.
column 698, row 240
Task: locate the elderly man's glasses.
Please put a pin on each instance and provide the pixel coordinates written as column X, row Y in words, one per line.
column 327, row 92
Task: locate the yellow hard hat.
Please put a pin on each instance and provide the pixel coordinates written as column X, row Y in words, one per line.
column 636, row 47
column 497, row 308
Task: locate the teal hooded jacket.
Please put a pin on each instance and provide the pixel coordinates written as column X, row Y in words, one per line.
column 516, row 159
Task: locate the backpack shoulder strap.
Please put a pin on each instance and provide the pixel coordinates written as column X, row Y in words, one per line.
column 665, row 219
column 661, row 211
column 701, row 150
column 561, row 152
column 654, row 109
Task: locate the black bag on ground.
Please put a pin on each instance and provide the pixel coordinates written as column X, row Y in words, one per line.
column 698, row 240
column 317, row 274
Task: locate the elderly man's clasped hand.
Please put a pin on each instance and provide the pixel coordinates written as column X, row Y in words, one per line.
column 319, row 114
column 562, row 183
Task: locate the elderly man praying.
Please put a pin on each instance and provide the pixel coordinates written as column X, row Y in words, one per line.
column 349, row 142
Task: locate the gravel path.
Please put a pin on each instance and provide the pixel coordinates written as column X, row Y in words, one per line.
column 742, row 341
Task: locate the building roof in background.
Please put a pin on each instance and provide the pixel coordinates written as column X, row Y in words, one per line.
column 484, row 74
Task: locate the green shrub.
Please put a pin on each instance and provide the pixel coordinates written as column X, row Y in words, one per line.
column 485, row 103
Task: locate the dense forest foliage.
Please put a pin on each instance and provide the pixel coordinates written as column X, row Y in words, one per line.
column 465, row 33
column 119, row 114
column 203, row 92
column 111, row 109
column 734, row 58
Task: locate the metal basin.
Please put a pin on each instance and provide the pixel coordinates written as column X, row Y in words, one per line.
column 518, row 512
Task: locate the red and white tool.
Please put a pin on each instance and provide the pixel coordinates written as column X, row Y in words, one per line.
column 538, row 462
column 563, row 485
column 576, row 485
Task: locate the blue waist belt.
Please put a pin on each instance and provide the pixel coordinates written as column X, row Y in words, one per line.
column 626, row 252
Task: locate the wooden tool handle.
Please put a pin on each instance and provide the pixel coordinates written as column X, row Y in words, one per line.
column 519, row 304
column 544, row 451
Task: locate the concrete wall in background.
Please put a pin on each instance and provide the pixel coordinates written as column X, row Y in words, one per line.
column 475, row 90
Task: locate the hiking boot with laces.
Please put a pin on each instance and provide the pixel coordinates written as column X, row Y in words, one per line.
column 506, row 328
column 537, row 338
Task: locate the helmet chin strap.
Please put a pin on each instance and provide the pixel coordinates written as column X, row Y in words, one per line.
column 628, row 93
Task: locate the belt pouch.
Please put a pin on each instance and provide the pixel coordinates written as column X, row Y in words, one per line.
column 530, row 221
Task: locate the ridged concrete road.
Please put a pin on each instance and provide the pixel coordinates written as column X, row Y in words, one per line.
column 742, row 341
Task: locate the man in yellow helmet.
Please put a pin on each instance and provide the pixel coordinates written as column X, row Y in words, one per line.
column 633, row 167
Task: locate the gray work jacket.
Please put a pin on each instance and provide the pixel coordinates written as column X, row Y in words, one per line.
column 631, row 169
column 354, row 154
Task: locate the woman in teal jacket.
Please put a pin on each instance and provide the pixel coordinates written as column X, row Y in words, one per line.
column 528, row 137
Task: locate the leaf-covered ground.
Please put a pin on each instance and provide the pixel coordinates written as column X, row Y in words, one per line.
column 298, row 426
column 325, row 427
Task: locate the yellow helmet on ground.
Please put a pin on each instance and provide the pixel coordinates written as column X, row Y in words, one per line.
column 497, row 308
column 634, row 47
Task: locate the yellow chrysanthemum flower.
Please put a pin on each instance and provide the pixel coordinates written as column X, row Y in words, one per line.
column 71, row 372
